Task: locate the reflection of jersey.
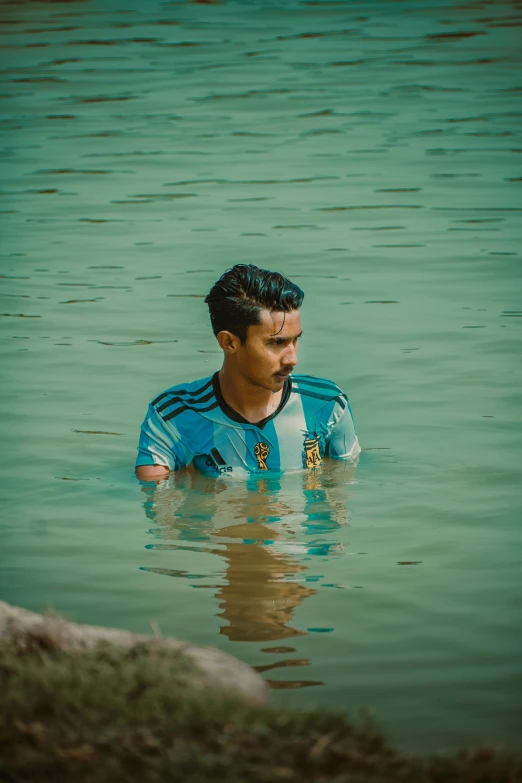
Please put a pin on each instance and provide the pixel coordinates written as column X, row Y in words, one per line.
column 193, row 423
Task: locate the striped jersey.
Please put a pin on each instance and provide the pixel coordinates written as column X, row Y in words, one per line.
column 192, row 423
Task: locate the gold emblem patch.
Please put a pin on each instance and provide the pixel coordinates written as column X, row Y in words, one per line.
column 312, row 455
column 262, row 450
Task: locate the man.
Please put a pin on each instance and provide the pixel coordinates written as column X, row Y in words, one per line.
column 253, row 415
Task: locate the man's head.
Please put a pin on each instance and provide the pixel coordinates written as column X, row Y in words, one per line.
column 254, row 315
column 235, row 302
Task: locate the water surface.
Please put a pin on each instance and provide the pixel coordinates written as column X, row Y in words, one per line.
column 370, row 151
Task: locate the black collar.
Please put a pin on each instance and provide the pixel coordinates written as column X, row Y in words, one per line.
column 235, row 416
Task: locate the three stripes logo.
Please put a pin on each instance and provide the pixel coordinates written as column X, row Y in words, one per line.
column 216, row 461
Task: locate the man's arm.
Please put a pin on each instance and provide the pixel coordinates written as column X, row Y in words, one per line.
column 152, row 472
column 160, row 449
column 342, row 441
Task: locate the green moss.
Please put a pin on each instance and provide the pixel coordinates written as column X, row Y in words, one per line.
column 112, row 716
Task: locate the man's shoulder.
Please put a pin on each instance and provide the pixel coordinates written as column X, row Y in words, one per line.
column 320, row 389
column 320, row 397
column 193, row 395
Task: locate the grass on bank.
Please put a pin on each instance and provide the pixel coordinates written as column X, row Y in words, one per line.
column 112, row 716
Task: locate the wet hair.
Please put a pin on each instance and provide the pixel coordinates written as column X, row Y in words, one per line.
column 235, row 301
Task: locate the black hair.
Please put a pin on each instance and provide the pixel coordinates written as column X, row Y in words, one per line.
column 237, row 298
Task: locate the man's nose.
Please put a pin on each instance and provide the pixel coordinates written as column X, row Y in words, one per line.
column 291, row 355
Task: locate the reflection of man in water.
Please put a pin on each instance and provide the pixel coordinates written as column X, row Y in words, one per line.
column 252, row 415
column 261, row 531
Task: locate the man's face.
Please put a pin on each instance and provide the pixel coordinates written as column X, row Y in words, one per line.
column 270, row 352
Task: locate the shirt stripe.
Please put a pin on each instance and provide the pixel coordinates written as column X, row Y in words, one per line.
column 182, row 391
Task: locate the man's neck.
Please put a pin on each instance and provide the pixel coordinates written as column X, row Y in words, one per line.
column 254, row 403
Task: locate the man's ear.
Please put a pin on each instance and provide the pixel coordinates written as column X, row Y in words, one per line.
column 228, row 342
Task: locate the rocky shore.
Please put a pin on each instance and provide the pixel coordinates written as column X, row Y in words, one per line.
column 94, row 705
column 22, row 630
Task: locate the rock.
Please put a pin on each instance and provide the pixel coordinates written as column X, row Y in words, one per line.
column 21, row 629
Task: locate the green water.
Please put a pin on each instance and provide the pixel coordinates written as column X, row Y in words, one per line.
column 370, row 151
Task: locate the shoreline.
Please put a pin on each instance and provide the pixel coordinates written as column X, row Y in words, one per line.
column 83, row 704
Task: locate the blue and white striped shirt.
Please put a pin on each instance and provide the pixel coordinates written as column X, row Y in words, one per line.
column 192, row 423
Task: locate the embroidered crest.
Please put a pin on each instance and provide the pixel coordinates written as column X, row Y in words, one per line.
column 312, row 454
column 262, row 450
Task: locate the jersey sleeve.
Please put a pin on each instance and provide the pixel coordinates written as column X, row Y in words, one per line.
column 160, row 443
column 342, row 442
